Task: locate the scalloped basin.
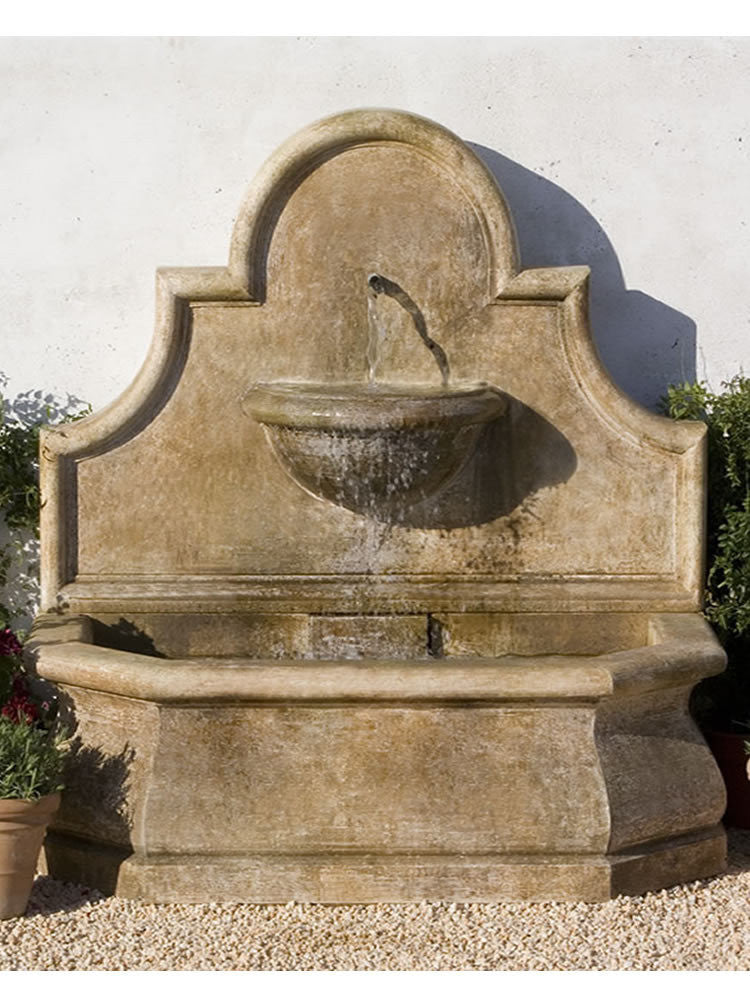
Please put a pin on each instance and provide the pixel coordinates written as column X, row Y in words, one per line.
column 373, row 449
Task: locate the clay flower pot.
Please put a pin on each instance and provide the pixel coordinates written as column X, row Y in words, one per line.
column 23, row 825
column 730, row 754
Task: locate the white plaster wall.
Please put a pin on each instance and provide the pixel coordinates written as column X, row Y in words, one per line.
column 120, row 155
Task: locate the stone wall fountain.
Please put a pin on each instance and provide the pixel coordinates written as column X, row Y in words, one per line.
column 373, row 586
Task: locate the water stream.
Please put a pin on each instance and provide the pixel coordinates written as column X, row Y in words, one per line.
column 378, row 285
column 376, row 335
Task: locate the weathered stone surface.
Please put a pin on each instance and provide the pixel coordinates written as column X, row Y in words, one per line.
column 563, row 759
column 385, row 637
column 538, row 634
column 354, row 878
column 175, row 482
column 190, row 635
column 293, row 687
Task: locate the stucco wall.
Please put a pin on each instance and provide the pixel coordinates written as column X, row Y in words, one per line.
column 120, row 155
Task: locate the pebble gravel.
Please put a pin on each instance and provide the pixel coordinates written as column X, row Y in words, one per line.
column 700, row 926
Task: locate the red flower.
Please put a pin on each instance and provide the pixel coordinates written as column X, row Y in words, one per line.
column 20, row 708
column 9, row 644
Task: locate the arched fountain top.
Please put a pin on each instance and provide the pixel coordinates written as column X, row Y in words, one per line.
column 311, row 146
column 171, row 498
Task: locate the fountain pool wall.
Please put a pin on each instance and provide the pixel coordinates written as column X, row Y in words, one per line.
column 478, row 691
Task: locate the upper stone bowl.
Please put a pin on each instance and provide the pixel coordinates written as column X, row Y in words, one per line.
column 375, row 449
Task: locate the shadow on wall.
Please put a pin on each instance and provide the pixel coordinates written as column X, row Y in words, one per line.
column 645, row 344
column 97, row 784
column 35, row 407
column 516, row 456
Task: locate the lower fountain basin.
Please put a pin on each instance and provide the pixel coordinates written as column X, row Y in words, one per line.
column 576, row 775
column 373, row 449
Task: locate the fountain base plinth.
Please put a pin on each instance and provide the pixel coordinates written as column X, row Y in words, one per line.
column 378, row 878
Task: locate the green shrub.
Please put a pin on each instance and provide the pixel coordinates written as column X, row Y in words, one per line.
column 724, row 702
column 21, row 419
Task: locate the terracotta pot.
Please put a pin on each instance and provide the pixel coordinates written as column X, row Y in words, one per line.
column 22, row 828
column 729, row 751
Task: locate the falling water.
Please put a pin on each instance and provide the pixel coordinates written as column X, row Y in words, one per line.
column 378, row 285
column 376, row 334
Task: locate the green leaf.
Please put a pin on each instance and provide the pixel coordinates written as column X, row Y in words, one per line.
column 31, row 760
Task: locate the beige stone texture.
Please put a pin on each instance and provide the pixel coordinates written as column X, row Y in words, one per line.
column 173, row 485
column 521, row 776
column 290, row 685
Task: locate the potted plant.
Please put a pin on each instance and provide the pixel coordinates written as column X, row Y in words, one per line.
column 32, row 755
column 721, row 704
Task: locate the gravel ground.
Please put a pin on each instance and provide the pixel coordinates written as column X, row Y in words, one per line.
column 700, row 926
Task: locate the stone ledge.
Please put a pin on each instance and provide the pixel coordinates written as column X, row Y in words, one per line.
column 351, row 878
column 686, row 652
